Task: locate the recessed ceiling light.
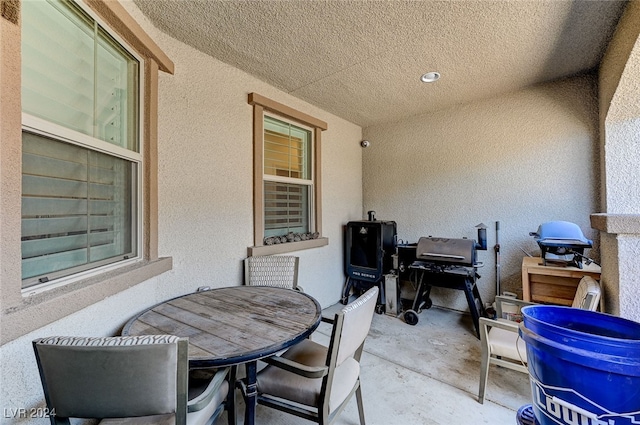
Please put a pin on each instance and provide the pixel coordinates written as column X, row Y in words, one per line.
column 430, row 77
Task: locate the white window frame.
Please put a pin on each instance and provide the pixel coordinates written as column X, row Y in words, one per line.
column 42, row 127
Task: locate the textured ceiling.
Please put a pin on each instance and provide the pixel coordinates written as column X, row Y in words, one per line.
column 362, row 60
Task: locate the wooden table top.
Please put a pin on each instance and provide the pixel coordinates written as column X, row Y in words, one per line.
column 233, row 325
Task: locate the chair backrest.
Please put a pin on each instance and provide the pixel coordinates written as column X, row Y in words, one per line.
column 114, row 377
column 587, row 294
column 350, row 328
column 272, row 270
column 352, row 325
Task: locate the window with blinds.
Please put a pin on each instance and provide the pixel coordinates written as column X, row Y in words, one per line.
column 288, row 184
column 81, row 155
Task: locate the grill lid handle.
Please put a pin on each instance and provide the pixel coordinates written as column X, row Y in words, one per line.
column 433, row 254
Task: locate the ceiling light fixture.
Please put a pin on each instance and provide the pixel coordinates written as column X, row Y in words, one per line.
column 430, row 77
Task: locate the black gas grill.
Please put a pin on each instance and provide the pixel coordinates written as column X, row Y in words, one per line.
column 446, row 263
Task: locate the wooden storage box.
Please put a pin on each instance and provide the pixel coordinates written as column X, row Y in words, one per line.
column 552, row 284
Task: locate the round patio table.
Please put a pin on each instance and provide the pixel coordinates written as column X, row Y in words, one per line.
column 233, row 326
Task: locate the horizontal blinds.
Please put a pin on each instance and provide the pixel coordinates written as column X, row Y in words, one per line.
column 286, row 208
column 74, row 74
column 283, row 156
column 286, row 149
column 76, row 207
column 58, row 61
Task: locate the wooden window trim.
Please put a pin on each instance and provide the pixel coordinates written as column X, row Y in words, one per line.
column 260, row 105
column 121, row 22
column 20, row 314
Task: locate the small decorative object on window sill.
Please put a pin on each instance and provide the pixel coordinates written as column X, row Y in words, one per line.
column 291, row 237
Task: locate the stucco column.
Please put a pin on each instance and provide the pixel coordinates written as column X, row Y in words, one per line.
column 620, row 254
column 619, row 224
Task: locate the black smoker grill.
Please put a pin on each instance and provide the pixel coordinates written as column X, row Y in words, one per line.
column 447, row 263
column 562, row 243
column 369, row 247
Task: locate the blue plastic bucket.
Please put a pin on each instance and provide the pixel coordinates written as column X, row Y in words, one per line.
column 584, row 366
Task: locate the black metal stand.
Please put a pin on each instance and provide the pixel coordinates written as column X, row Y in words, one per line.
column 360, row 286
column 452, row 277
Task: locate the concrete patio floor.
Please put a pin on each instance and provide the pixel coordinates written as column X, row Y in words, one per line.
column 422, row 374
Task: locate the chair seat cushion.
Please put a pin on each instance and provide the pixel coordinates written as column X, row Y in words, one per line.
column 507, row 344
column 283, row 384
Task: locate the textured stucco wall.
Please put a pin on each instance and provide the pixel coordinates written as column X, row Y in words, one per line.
column 610, row 278
column 206, row 176
column 205, row 203
column 620, row 248
column 613, row 97
column 622, row 173
column 629, row 272
column 619, row 111
column 616, row 59
column 521, row 159
column 619, row 69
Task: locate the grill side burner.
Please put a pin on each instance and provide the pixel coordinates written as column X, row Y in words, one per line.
column 446, row 263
